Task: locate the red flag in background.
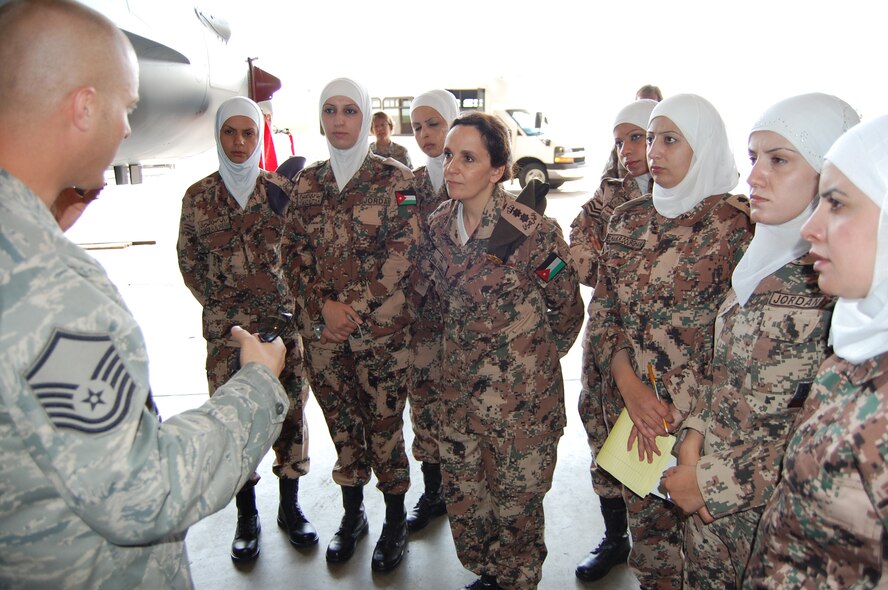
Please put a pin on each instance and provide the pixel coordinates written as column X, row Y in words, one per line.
column 269, row 157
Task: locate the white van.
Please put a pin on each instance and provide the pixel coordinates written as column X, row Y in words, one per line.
column 535, row 152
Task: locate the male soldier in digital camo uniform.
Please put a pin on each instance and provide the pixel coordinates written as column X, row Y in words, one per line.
column 230, row 256
column 96, row 491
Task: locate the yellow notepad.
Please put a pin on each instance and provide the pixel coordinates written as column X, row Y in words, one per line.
column 639, row 476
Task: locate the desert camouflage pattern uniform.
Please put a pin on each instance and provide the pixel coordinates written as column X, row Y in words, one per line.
column 357, row 247
column 825, row 525
column 230, row 259
column 765, row 352
column 587, row 234
column 394, row 150
column 660, row 284
column 96, row 492
column 505, row 329
column 426, row 339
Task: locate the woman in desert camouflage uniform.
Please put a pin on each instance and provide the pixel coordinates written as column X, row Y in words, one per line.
column 771, row 336
column 586, row 240
column 229, row 253
column 825, row 525
column 663, row 273
column 512, row 309
column 431, row 114
column 351, row 251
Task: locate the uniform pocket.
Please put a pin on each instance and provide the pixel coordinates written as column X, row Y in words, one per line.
column 367, row 223
column 788, row 351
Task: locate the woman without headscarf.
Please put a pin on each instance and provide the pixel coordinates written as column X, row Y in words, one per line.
column 229, row 253
column 431, row 114
column 586, row 238
column 354, row 235
column 511, row 309
column 825, row 525
column 663, row 272
column 772, row 337
column 382, row 127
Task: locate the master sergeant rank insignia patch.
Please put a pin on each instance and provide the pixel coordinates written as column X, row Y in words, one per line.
column 81, row 382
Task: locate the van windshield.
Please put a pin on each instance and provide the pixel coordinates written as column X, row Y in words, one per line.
column 531, row 123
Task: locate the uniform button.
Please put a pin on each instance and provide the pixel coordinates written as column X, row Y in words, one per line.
column 279, row 408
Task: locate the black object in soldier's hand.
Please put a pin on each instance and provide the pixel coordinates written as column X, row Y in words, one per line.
column 272, row 326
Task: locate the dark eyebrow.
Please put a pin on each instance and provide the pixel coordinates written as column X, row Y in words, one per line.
column 777, row 149
column 830, row 191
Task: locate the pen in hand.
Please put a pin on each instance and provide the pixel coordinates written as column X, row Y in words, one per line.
column 653, row 377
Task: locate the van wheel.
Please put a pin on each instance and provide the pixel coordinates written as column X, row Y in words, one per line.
column 532, row 171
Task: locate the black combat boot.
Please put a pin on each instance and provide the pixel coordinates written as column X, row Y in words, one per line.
column 352, row 527
column 485, row 582
column 431, row 502
column 390, row 548
column 290, row 517
column 614, row 548
column 245, row 546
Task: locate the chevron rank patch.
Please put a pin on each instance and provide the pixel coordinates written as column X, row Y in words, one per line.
column 82, row 383
column 405, row 198
column 551, row 267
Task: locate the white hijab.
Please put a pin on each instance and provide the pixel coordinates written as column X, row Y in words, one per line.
column 712, row 171
column 448, row 107
column 860, row 326
column 811, row 123
column 239, row 179
column 347, row 162
column 637, row 113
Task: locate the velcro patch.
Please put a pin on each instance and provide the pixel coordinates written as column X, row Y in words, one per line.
column 625, row 241
column 309, row 199
column 551, row 267
column 406, row 197
column 82, row 383
column 375, row 200
column 796, row 301
column 218, row 224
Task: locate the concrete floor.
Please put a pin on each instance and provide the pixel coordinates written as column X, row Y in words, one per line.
column 170, row 318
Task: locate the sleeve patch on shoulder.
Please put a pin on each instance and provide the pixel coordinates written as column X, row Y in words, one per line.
column 406, row 197
column 551, row 267
column 82, row 383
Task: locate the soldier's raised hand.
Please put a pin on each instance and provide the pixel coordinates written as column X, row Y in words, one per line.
column 270, row 354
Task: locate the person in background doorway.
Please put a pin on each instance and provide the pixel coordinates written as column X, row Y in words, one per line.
column 382, row 127
column 353, row 246
column 97, row 492
column 825, row 525
column 771, row 338
column 431, row 114
column 229, row 253
column 509, row 315
column 663, row 272
column 587, row 233
column 649, row 92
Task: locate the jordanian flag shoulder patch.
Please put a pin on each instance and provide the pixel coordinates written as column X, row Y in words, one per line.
column 551, row 267
column 405, row 198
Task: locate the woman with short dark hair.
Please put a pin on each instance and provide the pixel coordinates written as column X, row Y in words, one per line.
column 511, row 310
